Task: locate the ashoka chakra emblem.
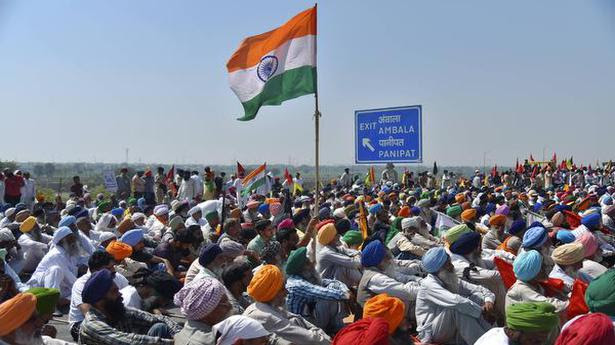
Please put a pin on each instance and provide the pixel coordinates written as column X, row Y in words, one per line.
column 267, row 67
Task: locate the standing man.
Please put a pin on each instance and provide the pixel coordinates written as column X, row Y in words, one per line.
column 161, row 187
column 12, row 185
column 390, row 174
column 28, row 191
column 346, row 179
column 298, row 180
column 77, row 187
column 138, row 185
column 123, row 184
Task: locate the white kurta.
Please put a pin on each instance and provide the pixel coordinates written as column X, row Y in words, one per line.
column 33, row 251
column 131, row 297
column 56, row 270
column 494, row 336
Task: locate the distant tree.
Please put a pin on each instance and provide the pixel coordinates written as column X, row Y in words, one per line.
column 8, row 165
column 39, row 169
column 49, row 169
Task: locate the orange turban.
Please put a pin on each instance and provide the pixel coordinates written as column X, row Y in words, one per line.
column 460, row 198
column 389, row 308
column 326, row 234
column 125, row 225
column 497, row 220
column 266, row 283
column 404, row 212
column 468, row 215
column 15, row 312
column 119, row 250
column 235, row 213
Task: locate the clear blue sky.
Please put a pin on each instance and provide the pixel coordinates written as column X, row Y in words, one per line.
column 82, row 80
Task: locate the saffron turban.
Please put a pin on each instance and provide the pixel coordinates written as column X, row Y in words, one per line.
column 527, row 265
column 434, row 259
column 455, row 232
column 266, row 283
column 67, row 221
column 531, row 317
column 565, row 236
column 367, row 331
column 296, row 260
column 27, row 225
column 404, row 212
column 326, row 234
column 353, row 237
column 497, row 220
column 238, row 327
column 132, row 237
column 568, row 254
column 46, row 299
column 15, row 312
column 119, row 250
column 199, row 297
column 517, row 227
column 591, row 221
column 97, row 286
column 373, row 254
column 590, row 329
column 389, row 308
column 459, row 198
column 590, row 243
column 535, row 237
column 60, row 234
column 600, row 294
column 468, row 215
column 466, row 243
column 209, row 253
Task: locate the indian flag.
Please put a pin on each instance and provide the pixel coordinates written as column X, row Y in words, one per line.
column 255, row 179
column 276, row 66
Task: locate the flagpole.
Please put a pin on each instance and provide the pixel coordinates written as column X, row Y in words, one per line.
column 316, row 149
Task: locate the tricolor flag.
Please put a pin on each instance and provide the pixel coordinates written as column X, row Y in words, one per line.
column 276, row 66
column 241, row 172
column 256, row 178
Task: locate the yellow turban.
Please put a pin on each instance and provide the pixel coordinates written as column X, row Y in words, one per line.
column 569, row 254
column 326, row 234
column 15, row 312
column 27, row 224
column 389, row 308
column 468, row 215
column 266, row 283
column 119, row 250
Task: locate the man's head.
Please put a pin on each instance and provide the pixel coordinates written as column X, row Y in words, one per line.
column 232, row 227
column 387, row 307
column 530, row 323
column 183, row 241
column 288, row 239
column 374, row 254
column 569, row 257
column 267, row 286
column 212, row 218
column 600, row 294
column 592, row 221
column 529, row 266
column 76, row 179
column 265, row 229
column 196, row 213
column 134, row 238
column 162, row 213
column 498, row 222
column 160, row 170
column 66, row 239
column 101, row 293
column 101, row 260
column 203, row 300
column 437, row 262
column 468, row 245
column 46, row 300
column 20, row 323
column 212, row 258
column 118, row 251
column 237, row 276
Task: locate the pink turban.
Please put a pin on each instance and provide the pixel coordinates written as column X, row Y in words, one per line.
column 590, row 243
column 199, row 297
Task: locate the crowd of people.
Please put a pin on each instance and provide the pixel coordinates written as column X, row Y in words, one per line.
column 521, row 257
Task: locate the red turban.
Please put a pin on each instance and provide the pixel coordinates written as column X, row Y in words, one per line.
column 591, row 329
column 368, row 331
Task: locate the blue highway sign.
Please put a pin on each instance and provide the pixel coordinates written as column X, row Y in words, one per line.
column 389, row 135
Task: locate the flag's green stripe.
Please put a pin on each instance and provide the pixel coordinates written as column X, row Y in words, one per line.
column 288, row 85
column 253, row 186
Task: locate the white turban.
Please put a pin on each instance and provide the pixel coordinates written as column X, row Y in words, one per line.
column 137, row 215
column 9, row 212
column 238, row 327
column 339, row 213
column 412, row 222
column 194, row 210
column 6, row 235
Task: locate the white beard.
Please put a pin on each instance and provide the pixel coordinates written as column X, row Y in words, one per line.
column 450, row 280
column 22, row 338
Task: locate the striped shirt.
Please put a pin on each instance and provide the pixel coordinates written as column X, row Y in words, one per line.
column 301, row 293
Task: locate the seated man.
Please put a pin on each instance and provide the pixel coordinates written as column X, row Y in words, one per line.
column 267, row 289
column 33, row 242
column 527, row 323
column 333, row 261
column 109, row 322
column 204, row 303
column 236, row 278
column 530, row 270
column 568, row 260
column 20, row 323
column 135, row 238
column 177, row 251
column 391, row 309
column 150, row 291
column 312, row 297
column 496, row 235
column 448, row 309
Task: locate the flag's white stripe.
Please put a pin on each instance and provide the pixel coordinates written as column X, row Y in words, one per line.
column 257, row 177
column 295, row 53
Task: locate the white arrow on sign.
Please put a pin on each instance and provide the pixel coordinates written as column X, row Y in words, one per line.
column 366, row 142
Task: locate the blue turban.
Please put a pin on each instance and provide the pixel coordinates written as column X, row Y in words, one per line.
column 386, row 189
column 536, row 224
column 537, row 207
column 75, row 210
column 132, row 237
column 591, row 221
column 209, row 253
column 263, row 208
column 489, row 208
column 60, row 233
column 534, row 237
column 117, row 212
column 141, row 203
column 20, row 207
column 608, row 200
column 517, row 227
column 415, row 210
column 565, row 236
column 434, row 259
column 83, row 213
column 466, row 243
column 527, row 265
column 559, row 208
column 97, row 286
column 324, row 213
column 374, row 209
column 373, row 254
column 67, row 221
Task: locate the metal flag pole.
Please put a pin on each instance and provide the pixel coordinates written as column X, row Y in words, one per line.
column 316, row 151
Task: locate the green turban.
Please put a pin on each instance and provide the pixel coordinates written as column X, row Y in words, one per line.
column 296, row 260
column 210, row 216
column 600, row 294
column 531, row 317
column 46, row 299
column 455, row 232
column 426, row 195
column 132, row 201
column 453, row 211
column 104, row 206
column 353, row 237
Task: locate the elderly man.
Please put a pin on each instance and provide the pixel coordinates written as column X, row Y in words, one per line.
column 204, row 303
column 58, row 268
column 591, row 223
column 410, row 243
column 160, row 221
column 20, row 323
column 195, row 216
column 449, row 309
column 135, row 238
column 336, row 262
column 33, row 242
column 210, row 263
column 527, row 323
column 470, row 266
column 568, row 260
column 600, row 295
column 496, row 235
column 267, row 289
column 108, row 322
column 311, row 297
column 82, row 239
column 530, row 270
column 391, row 309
